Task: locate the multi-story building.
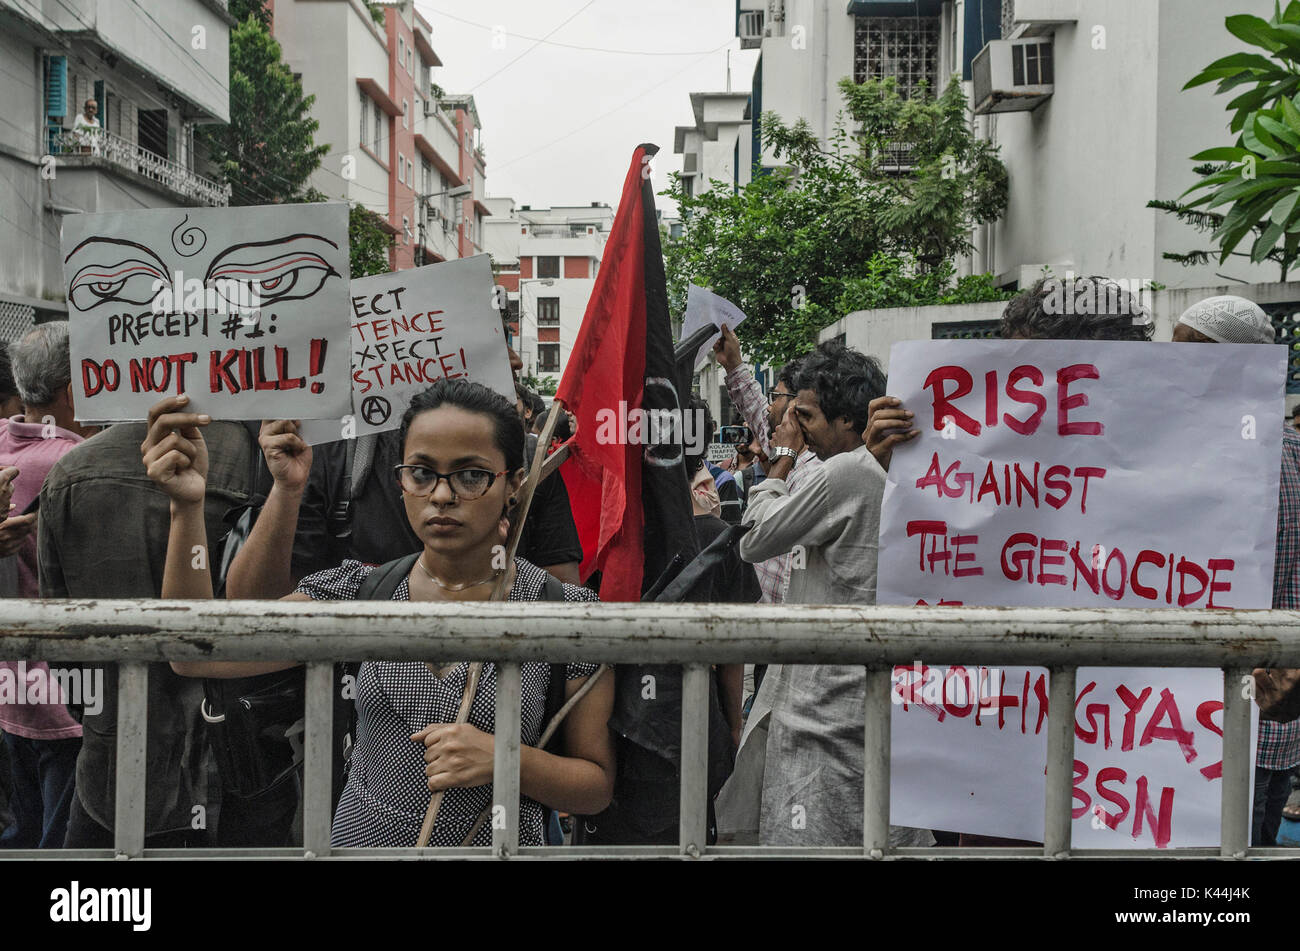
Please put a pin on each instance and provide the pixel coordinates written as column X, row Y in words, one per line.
column 719, row 146
column 1084, row 97
column 547, row 259
column 155, row 71
column 398, row 144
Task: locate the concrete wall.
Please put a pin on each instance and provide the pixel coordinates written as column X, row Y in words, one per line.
column 182, row 42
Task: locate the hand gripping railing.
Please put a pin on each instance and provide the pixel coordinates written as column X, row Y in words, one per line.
column 135, row 633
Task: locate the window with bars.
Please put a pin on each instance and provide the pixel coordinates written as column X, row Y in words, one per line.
column 548, row 266
column 548, row 312
column 906, row 48
column 548, row 358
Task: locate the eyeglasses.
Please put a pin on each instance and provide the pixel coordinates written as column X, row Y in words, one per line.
column 467, row 484
column 773, row 397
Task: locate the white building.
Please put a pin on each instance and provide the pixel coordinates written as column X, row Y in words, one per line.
column 718, row 146
column 155, row 70
column 1091, row 120
column 547, row 259
column 398, row 144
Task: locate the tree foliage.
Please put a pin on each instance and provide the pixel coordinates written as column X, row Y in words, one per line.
column 267, row 153
column 1255, row 183
column 910, row 182
column 368, row 242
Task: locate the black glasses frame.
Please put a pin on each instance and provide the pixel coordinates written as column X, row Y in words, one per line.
column 439, row 476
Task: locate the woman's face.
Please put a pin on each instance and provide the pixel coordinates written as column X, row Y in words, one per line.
column 445, row 440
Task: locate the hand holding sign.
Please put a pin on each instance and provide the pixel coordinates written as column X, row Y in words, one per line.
column 287, row 457
column 887, row 426
column 174, row 451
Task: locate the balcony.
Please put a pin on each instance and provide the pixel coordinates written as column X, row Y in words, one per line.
column 100, row 148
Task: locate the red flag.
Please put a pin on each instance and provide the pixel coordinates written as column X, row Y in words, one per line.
column 625, row 337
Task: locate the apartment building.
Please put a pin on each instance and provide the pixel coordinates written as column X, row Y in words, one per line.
column 1084, row 97
column 156, row 72
column 547, row 260
column 399, row 145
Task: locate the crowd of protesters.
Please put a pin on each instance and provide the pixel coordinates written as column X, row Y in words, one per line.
column 422, row 513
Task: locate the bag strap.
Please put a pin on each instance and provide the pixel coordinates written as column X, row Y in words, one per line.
column 382, row 583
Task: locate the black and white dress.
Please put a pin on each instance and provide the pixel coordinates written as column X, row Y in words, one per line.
column 387, row 792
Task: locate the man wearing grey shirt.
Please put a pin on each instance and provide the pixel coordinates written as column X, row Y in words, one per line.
column 811, row 789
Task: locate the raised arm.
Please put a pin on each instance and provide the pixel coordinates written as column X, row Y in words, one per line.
column 263, row 566
column 176, row 458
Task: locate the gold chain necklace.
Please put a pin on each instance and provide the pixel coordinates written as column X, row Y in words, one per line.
column 455, row 587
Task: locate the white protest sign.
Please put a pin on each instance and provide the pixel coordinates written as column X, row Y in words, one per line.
column 412, row 328
column 718, row 451
column 1076, row 474
column 703, row 307
column 163, row 301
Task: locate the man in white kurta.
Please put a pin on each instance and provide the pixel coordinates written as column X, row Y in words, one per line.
column 812, row 715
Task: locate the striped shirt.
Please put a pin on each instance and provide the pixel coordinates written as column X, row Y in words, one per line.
column 1279, row 743
column 747, row 396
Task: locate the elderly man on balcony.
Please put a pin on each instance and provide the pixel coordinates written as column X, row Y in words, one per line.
column 86, row 128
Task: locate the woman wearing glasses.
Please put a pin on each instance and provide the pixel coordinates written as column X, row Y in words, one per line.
column 462, row 454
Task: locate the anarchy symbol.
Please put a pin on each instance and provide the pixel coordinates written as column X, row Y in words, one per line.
column 375, row 410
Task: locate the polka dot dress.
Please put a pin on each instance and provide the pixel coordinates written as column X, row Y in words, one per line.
column 386, row 795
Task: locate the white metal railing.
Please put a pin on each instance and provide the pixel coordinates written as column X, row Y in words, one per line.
column 98, row 143
column 135, row 633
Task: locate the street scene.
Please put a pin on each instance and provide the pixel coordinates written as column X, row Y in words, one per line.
column 786, row 349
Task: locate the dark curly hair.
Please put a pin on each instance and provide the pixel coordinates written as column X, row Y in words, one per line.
column 844, row 380
column 1040, row 313
column 508, row 429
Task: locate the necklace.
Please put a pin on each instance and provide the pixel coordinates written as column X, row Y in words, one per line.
column 455, row 587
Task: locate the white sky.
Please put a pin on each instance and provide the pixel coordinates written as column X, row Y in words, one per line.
column 559, row 125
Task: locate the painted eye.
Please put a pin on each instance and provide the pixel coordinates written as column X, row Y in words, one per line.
column 293, row 276
column 128, row 282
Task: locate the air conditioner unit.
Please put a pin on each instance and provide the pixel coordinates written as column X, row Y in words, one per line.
column 430, row 107
column 1013, row 75
column 434, row 211
column 749, row 27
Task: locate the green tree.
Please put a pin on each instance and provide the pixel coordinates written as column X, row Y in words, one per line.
column 267, row 152
column 911, row 182
column 241, row 10
column 368, row 242
column 1255, row 183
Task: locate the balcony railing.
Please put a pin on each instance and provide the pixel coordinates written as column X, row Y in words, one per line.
column 99, row 144
column 135, row 633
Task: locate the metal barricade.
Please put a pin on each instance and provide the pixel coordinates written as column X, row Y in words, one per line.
column 134, row 633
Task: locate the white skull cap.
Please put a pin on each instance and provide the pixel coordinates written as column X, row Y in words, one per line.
column 1230, row 319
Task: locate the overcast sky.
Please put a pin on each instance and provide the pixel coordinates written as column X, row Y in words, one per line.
column 560, row 124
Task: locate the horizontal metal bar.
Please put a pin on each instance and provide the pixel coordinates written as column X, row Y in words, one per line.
column 663, row 852
column 126, row 630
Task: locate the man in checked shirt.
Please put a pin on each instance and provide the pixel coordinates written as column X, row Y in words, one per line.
column 764, row 414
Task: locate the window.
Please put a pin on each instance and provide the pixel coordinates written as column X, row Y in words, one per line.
column 365, row 119
column 426, row 177
column 548, row 358
column 410, row 69
column 406, row 114
column 379, row 141
column 401, row 168
column 906, row 48
column 401, row 50
column 1031, row 64
column 548, row 267
column 406, row 230
column 548, row 312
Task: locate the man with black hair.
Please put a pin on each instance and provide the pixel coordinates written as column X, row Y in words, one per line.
column 763, row 414
column 812, row 746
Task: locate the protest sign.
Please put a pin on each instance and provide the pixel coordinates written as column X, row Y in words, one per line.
column 703, row 307
column 1076, row 474
column 164, row 301
column 412, row 328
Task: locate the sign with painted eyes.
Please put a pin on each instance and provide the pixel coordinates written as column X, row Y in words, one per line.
column 412, row 328
column 243, row 309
